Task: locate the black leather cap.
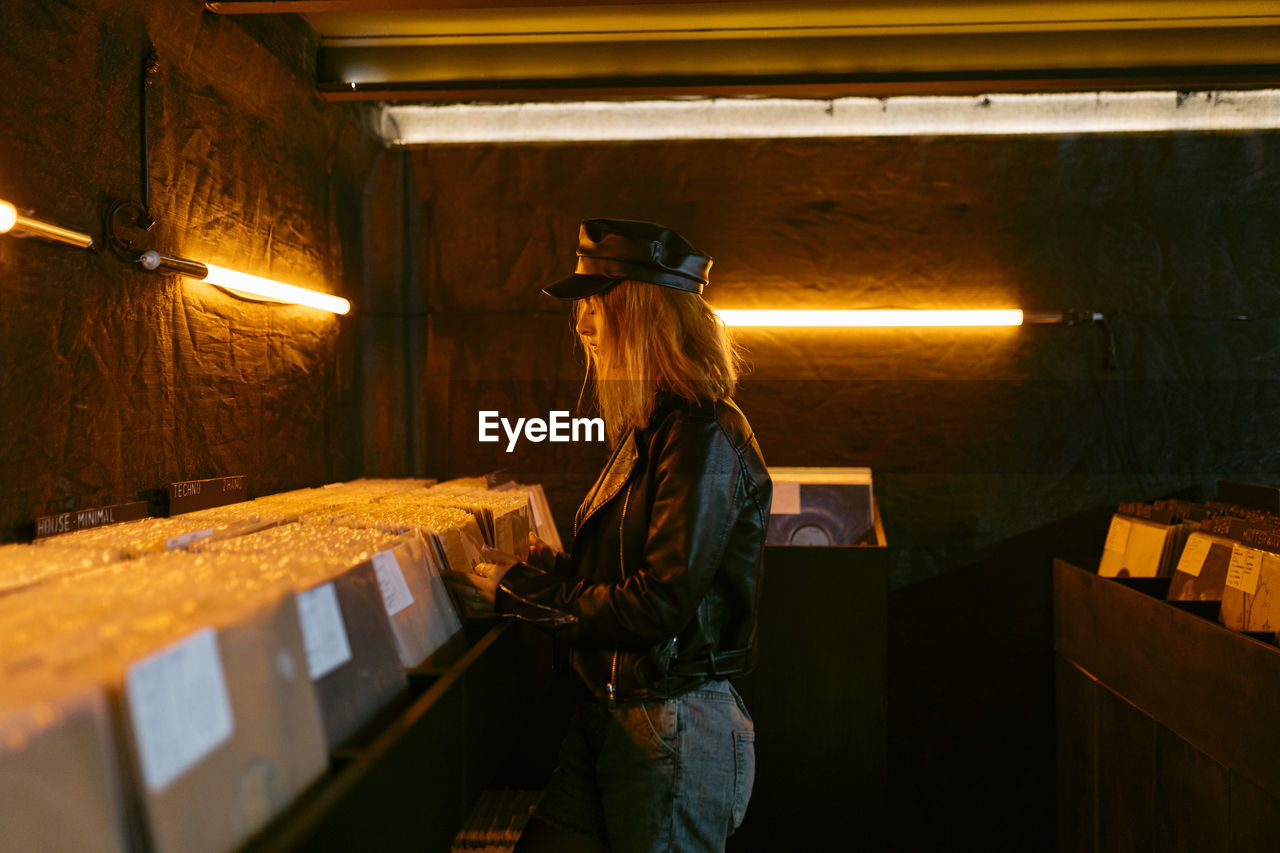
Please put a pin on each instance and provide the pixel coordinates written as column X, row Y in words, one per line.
column 611, row 250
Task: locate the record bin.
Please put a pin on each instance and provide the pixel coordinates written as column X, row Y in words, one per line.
column 819, row 699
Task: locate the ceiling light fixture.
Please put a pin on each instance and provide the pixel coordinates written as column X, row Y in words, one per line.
column 22, row 226
column 774, row 118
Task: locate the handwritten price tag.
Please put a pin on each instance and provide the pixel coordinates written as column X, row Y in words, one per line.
column 1244, row 570
column 1194, row 554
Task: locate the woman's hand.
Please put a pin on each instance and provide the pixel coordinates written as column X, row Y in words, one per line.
column 541, row 555
column 482, row 581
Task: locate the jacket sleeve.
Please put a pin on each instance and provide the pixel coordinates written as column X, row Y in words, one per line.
column 696, row 473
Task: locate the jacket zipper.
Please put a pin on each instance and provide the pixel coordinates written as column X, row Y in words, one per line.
column 612, row 686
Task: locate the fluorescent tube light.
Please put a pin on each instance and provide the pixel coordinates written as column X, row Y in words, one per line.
column 21, row 226
column 773, row 118
column 244, row 284
column 265, row 288
column 872, row 318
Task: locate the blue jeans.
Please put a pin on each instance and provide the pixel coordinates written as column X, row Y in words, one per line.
column 664, row 775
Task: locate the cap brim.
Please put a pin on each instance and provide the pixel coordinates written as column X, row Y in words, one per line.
column 580, row 286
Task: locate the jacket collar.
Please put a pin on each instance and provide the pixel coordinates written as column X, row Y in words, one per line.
column 611, row 480
column 623, row 461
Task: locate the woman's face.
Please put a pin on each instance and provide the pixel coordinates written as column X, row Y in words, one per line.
column 590, row 328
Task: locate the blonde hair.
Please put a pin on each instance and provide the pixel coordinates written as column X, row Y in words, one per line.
column 656, row 339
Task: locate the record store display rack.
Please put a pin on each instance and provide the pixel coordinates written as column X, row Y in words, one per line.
column 1168, row 683
column 248, row 673
column 1223, row 555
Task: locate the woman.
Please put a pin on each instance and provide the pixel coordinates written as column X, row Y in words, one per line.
column 657, row 600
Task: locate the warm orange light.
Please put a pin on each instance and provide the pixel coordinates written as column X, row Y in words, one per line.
column 871, row 318
column 257, row 287
column 244, row 284
column 20, row 225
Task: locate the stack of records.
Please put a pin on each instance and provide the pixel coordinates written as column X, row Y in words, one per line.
column 360, row 624
column 157, row 535
column 1213, row 552
column 201, row 658
column 319, row 505
column 1201, row 573
column 455, row 536
column 23, row 566
column 1251, row 597
column 58, row 765
column 540, row 511
column 423, row 619
column 172, row 684
column 1144, row 540
column 503, row 516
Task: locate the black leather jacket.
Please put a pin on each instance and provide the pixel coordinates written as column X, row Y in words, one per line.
column 660, row 592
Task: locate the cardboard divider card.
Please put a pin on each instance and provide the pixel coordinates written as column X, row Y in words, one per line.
column 84, row 519
column 1118, row 534
column 1194, row 554
column 786, row 498
column 193, row 495
column 179, row 707
column 186, row 539
column 323, row 633
column 1244, row 570
column 395, row 592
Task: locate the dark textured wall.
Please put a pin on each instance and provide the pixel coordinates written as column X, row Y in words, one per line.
column 974, row 436
column 114, row 381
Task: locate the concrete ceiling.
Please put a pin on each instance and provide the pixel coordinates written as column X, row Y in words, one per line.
column 529, row 50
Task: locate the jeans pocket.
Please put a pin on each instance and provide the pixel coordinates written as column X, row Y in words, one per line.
column 661, row 722
column 744, row 772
